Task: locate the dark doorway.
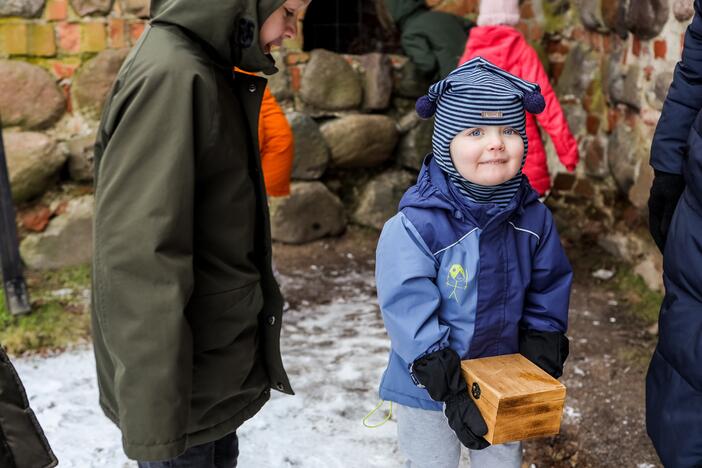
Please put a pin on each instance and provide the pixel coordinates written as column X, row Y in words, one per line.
column 349, row 27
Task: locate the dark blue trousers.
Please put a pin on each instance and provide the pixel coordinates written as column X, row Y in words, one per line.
column 222, row 453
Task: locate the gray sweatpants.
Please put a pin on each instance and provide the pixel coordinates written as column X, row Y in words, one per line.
column 427, row 441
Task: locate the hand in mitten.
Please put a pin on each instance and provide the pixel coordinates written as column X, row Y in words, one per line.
column 548, row 350
column 665, row 193
column 440, row 373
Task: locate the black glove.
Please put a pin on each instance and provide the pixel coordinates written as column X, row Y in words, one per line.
column 548, row 350
column 440, row 373
column 665, row 193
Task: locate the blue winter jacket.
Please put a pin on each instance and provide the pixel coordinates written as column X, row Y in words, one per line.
column 674, row 380
column 452, row 273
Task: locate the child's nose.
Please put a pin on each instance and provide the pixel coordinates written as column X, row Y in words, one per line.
column 496, row 144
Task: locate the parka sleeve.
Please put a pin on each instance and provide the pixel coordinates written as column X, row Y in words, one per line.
column 143, row 264
column 684, row 101
column 277, row 146
column 552, row 119
column 407, row 294
column 419, row 50
column 548, row 296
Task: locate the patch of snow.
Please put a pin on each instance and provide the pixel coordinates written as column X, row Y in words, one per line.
column 603, row 274
column 571, row 415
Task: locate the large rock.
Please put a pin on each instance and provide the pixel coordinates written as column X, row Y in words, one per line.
column 33, row 160
column 646, row 18
column 683, row 9
column 641, row 189
column 591, row 15
column 377, row 81
column 614, row 15
column 576, row 117
column 311, row 152
column 581, row 67
column 310, row 212
column 626, row 152
column 623, row 84
column 360, row 140
column 81, row 151
column 94, row 80
column 139, row 8
column 409, row 82
column 279, row 83
column 329, row 82
column 415, row 144
column 380, row 197
column 25, row 8
column 92, row 7
column 29, row 96
column 660, row 89
column 68, row 241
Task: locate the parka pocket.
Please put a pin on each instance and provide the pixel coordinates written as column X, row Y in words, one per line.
column 223, row 319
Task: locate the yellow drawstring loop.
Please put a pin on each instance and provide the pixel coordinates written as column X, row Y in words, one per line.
column 387, row 418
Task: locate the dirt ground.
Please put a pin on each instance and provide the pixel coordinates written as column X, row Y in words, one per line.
column 610, row 347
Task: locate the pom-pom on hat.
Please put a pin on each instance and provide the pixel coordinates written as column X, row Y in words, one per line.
column 478, row 94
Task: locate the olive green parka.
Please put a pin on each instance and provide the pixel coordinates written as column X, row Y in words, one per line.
column 186, row 312
column 22, row 441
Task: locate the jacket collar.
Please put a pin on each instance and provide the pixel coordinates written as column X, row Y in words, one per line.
column 434, row 190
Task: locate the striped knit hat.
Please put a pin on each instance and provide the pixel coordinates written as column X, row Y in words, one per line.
column 478, row 94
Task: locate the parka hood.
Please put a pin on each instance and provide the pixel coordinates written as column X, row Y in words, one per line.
column 229, row 27
column 400, row 10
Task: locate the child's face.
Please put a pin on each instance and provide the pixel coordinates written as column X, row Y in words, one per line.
column 281, row 24
column 487, row 155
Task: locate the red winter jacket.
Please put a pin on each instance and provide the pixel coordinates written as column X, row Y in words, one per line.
column 506, row 47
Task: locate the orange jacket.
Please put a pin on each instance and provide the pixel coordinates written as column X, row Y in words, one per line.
column 276, row 144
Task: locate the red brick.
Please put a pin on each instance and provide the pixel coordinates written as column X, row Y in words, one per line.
column 63, row 70
column 296, row 58
column 295, row 78
column 136, row 28
column 36, row 219
column 118, row 33
column 68, row 37
column 527, row 11
column 660, row 48
column 636, row 46
column 592, row 124
column 56, row 10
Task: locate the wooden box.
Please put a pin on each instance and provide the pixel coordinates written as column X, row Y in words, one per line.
column 516, row 398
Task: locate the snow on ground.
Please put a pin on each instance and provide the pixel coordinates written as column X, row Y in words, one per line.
column 334, row 354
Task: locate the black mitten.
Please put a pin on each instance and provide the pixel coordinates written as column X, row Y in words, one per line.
column 665, row 193
column 440, row 373
column 548, row 350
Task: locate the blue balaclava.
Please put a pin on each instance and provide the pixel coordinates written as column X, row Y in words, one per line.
column 479, row 94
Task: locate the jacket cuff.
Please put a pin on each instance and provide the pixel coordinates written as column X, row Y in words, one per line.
column 548, row 350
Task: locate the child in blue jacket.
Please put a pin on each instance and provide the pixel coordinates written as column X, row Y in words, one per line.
column 471, row 266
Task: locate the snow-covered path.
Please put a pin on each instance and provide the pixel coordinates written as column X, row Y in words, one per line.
column 334, row 354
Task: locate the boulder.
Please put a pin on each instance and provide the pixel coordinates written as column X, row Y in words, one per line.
column 415, row 145
column 360, row 140
column 683, row 10
column 80, row 158
column 33, row 161
column 626, row 151
column 330, row 83
column 92, row 7
column 24, row 8
column 139, row 8
column 311, row 152
column 646, row 18
column 380, row 197
column 310, row 212
column 29, row 96
column 68, row 240
column 94, row 81
column 377, row 81
column 591, row 15
column 581, row 67
column 409, row 82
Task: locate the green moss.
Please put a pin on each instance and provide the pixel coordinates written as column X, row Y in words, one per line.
column 642, row 302
column 56, row 321
column 558, row 15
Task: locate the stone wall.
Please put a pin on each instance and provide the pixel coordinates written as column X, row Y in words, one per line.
column 358, row 144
